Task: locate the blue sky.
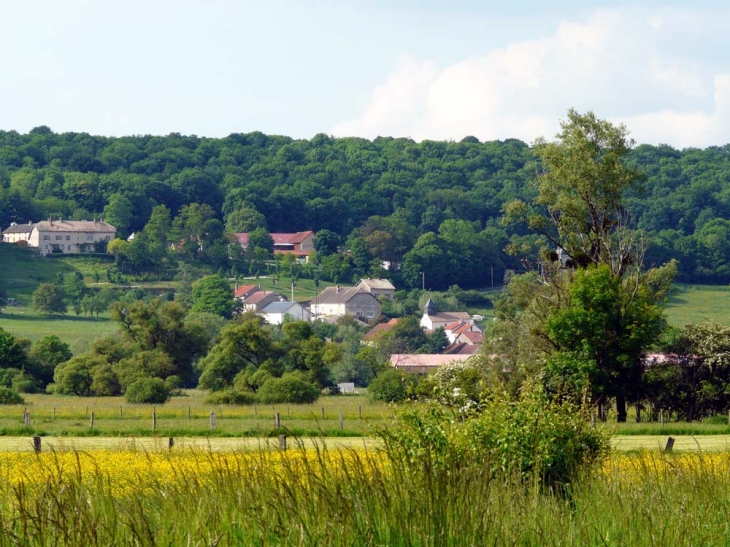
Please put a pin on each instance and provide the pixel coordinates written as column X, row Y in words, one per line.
column 421, row 69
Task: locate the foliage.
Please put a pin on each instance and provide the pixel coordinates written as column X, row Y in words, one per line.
column 9, row 396
column 533, row 438
column 390, row 386
column 694, row 377
column 230, row 396
column 48, row 298
column 45, row 355
column 213, row 294
column 290, row 388
column 152, row 391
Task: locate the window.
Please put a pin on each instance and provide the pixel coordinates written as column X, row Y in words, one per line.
column 69, row 247
column 59, row 238
column 46, row 246
column 68, row 238
column 46, row 238
column 90, row 238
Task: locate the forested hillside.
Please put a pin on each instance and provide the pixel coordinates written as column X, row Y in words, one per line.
column 433, row 207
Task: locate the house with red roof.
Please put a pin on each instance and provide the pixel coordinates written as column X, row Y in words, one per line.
column 378, row 331
column 455, row 329
column 421, row 363
column 299, row 244
column 244, row 291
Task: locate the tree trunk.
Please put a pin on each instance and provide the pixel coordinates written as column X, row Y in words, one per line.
column 620, row 408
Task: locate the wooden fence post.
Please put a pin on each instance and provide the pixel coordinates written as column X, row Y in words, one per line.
column 277, row 421
column 37, row 444
column 213, row 424
column 170, row 443
column 154, row 418
column 91, row 421
column 54, row 412
column 282, row 442
column 26, row 419
column 669, row 445
column 121, row 412
column 342, row 421
column 661, row 416
column 359, row 411
column 323, row 413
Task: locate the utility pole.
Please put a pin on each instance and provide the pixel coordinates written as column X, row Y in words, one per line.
column 423, row 281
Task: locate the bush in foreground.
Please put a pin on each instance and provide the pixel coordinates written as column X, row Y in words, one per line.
column 151, row 391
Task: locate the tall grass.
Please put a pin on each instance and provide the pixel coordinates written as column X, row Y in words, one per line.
column 356, row 497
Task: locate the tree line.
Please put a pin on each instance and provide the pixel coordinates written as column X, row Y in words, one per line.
column 434, row 207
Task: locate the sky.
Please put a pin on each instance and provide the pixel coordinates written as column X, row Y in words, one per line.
column 428, row 69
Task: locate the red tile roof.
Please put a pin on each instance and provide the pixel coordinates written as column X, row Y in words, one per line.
column 379, row 330
column 243, row 290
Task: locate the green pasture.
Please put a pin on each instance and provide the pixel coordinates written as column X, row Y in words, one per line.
column 304, row 289
column 690, row 304
column 190, row 416
column 77, row 331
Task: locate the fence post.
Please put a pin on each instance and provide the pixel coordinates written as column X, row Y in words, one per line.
column 37, row 444
column 26, row 419
column 282, row 442
column 170, row 443
column 188, row 412
column 91, row 422
column 121, row 412
column 661, row 416
column 154, row 418
column 277, row 420
column 212, row 419
column 342, row 421
column 54, row 412
column 359, row 411
column 323, row 413
column 288, row 415
column 669, row 445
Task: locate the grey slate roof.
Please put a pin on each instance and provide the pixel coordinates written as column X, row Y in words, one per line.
column 278, row 307
column 339, row 295
column 381, row 284
column 18, row 229
column 75, row 226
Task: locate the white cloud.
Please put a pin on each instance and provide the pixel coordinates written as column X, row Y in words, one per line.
column 643, row 68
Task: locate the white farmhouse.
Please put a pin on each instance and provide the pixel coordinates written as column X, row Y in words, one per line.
column 70, row 236
column 338, row 301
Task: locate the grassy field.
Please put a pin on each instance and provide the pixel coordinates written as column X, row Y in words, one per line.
column 77, row 332
column 191, row 416
column 697, row 303
column 303, row 290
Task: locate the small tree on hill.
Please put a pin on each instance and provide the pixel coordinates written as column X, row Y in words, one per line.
column 48, row 298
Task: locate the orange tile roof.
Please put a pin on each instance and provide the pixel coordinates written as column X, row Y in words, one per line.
column 242, row 290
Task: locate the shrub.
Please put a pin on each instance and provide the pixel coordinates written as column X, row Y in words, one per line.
column 9, row 396
column 391, row 386
column 531, row 439
column 231, row 397
column 151, row 391
column 290, row 388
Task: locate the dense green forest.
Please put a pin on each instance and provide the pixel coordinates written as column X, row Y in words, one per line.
column 433, row 207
